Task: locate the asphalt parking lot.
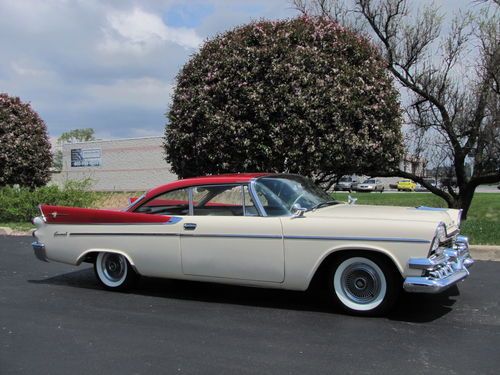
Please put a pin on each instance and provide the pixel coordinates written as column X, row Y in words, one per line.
column 55, row 319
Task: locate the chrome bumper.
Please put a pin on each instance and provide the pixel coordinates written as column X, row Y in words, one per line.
column 442, row 271
column 39, row 249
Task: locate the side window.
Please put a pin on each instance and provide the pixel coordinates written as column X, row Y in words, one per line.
column 271, row 203
column 223, row 200
column 172, row 203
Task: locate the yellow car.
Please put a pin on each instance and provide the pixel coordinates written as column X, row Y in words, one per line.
column 406, row 185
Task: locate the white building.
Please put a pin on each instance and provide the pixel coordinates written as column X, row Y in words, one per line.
column 132, row 164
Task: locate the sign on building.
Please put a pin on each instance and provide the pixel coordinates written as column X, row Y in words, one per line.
column 90, row 157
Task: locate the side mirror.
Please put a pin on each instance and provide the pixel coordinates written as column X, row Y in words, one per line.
column 298, row 211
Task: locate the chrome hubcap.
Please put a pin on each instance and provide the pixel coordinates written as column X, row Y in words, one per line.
column 114, row 267
column 361, row 283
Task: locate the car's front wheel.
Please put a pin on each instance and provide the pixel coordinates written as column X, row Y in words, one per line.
column 114, row 271
column 363, row 284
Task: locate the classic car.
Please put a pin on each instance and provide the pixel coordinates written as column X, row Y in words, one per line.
column 262, row 230
column 406, row 185
column 371, row 184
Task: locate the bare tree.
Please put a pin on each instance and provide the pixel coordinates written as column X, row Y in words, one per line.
column 449, row 83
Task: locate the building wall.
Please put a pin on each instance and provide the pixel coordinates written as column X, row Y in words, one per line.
column 133, row 164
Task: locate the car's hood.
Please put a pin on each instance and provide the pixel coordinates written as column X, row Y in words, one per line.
column 449, row 217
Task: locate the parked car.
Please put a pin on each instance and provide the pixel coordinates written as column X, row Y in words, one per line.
column 264, row 230
column 371, row 184
column 346, row 183
column 406, row 185
column 431, row 181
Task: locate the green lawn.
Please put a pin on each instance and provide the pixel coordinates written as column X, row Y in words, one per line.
column 482, row 225
column 21, row 227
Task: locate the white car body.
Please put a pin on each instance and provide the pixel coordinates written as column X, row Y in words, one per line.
column 264, row 251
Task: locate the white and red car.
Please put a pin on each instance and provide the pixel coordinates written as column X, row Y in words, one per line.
column 262, row 230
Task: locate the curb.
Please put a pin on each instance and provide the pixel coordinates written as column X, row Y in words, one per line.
column 5, row 231
column 478, row 252
column 485, row 252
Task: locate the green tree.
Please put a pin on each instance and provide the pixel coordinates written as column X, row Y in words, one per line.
column 72, row 136
column 25, row 156
column 77, row 135
column 301, row 96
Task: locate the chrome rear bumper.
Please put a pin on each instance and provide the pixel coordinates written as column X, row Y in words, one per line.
column 39, row 249
column 440, row 272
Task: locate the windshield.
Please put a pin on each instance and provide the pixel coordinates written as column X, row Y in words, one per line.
column 369, row 181
column 279, row 194
column 345, row 179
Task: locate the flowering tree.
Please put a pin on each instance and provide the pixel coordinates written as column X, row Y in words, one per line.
column 302, row 96
column 450, row 79
column 25, row 156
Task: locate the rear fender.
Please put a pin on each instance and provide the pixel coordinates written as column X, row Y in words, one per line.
column 114, row 251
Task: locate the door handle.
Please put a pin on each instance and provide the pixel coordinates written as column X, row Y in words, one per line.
column 189, row 226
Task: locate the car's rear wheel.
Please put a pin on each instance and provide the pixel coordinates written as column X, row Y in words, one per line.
column 363, row 284
column 114, row 271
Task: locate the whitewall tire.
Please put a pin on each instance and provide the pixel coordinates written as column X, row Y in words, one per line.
column 114, row 271
column 363, row 284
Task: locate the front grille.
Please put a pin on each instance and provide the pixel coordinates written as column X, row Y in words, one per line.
column 448, row 243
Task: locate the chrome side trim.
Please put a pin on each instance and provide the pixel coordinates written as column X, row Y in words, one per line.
column 263, row 236
column 82, row 234
column 268, row 236
column 426, row 208
column 369, row 239
column 39, row 249
column 174, row 220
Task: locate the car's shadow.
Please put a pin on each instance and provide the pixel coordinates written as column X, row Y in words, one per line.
column 416, row 308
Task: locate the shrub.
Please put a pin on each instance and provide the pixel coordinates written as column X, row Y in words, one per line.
column 303, row 95
column 25, row 156
column 20, row 204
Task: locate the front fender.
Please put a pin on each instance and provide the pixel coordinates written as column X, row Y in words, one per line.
column 398, row 262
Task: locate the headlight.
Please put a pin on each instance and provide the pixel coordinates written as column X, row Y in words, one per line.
column 441, row 232
column 439, row 238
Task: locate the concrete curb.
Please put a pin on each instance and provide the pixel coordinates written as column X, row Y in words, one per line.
column 485, row 252
column 478, row 252
column 5, row 231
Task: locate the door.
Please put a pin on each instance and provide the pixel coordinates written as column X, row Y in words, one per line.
column 225, row 237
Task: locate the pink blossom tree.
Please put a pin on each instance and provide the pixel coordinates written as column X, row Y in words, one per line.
column 25, row 156
column 300, row 96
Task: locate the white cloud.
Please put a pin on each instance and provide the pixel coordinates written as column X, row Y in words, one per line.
column 26, row 70
column 137, row 31
column 145, row 93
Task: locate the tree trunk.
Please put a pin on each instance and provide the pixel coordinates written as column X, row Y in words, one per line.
column 465, row 199
column 462, row 201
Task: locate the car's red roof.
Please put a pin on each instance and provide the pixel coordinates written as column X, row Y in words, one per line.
column 205, row 180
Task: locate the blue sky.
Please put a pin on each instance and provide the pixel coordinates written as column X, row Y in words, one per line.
column 111, row 65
